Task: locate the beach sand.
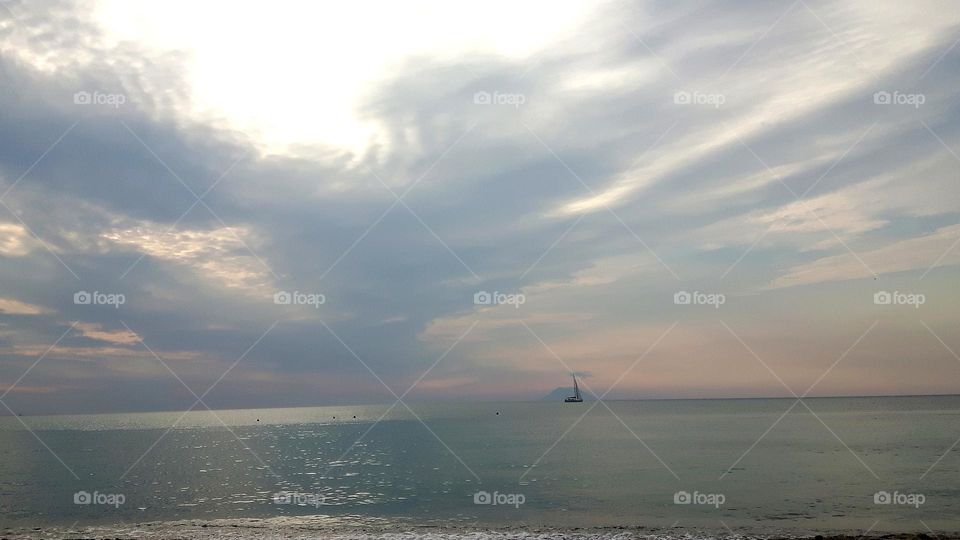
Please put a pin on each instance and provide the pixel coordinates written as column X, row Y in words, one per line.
column 303, row 529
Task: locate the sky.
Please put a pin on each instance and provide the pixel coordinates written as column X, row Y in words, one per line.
column 310, row 204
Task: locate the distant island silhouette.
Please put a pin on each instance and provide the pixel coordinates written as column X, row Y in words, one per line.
column 561, row 392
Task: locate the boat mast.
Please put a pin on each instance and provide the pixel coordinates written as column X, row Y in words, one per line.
column 576, row 389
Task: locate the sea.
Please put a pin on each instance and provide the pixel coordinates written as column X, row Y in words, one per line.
column 759, row 467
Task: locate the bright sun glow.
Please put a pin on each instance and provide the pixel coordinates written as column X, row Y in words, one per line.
column 298, row 79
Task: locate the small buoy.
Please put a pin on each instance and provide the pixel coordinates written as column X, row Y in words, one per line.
column 258, row 419
column 498, row 413
column 334, row 417
column 354, row 416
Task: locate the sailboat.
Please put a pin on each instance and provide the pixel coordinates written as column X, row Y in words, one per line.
column 575, row 398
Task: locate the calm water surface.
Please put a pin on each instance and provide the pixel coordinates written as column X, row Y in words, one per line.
column 808, row 472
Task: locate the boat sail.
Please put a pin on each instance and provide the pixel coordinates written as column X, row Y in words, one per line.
column 575, row 398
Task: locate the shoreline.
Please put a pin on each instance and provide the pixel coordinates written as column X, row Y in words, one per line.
column 303, row 528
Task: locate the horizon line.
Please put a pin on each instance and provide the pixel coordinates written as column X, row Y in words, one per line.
column 541, row 400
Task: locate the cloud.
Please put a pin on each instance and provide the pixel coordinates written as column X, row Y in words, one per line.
column 578, row 198
column 922, row 253
column 15, row 307
column 220, row 255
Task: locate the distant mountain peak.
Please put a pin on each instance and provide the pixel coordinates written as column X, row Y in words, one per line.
column 564, row 391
